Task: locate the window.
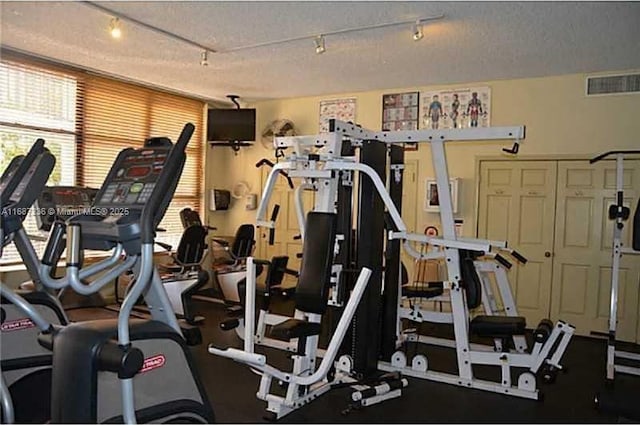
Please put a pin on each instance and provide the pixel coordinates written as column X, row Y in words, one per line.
column 86, row 120
column 119, row 115
column 37, row 103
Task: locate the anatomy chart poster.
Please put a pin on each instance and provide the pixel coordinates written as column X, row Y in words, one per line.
column 340, row 109
column 459, row 108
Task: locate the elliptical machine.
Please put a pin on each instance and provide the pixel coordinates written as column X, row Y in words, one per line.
column 26, row 366
column 148, row 359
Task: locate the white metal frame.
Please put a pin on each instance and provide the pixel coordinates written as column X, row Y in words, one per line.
column 320, row 169
column 548, row 353
column 617, row 251
column 318, row 162
column 305, row 381
column 412, row 310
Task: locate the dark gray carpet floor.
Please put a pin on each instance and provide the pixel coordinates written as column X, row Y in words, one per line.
column 232, row 386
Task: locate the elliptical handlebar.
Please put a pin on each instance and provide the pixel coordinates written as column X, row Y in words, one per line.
column 167, row 176
column 11, row 182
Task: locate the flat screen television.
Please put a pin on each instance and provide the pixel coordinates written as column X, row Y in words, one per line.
column 231, row 125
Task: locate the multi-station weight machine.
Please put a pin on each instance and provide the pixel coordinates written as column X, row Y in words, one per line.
column 327, row 163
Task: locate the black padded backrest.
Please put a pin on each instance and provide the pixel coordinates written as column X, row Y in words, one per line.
column 636, row 229
column 190, row 217
column 275, row 272
column 404, row 274
column 192, row 244
column 312, row 291
column 470, row 278
column 243, row 241
column 153, row 142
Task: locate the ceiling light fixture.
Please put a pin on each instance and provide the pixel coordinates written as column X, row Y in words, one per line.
column 114, row 28
column 319, row 42
column 121, row 17
column 417, row 31
column 116, row 31
column 204, row 58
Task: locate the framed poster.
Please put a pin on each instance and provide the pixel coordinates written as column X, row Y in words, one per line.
column 458, row 108
column 432, row 198
column 400, row 111
column 341, row 109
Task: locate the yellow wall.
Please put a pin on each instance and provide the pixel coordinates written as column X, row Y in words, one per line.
column 559, row 119
column 558, row 116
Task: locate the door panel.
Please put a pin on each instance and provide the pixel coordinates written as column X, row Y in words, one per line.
column 582, row 251
column 497, row 222
column 528, row 292
column 517, row 202
column 532, row 219
column 573, row 295
column 577, row 222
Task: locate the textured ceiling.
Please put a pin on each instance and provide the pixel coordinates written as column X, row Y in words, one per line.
column 475, row 41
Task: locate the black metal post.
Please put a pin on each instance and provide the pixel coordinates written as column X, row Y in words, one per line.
column 369, row 253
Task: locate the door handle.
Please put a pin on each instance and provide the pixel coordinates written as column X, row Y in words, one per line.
column 547, row 254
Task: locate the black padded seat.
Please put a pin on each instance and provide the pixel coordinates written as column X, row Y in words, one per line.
column 431, row 290
column 294, row 328
column 498, row 326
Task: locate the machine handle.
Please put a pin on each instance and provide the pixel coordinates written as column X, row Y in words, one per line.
column 272, row 230
column 265, row 161
column 125, row 361
column 514, row 150
column 292, row 272
column 606, row 154
column 74, row 235
column 164, row 246
column 521, row 258
column 55, row 247
column 500, row 259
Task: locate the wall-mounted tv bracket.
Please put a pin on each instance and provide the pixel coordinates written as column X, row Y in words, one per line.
column 235, row 146
column 234, row 98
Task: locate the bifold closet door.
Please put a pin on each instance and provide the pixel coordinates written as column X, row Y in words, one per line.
column 583, row 238
column 517, row 204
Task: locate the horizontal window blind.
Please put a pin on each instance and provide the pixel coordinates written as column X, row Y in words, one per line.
column 86, row 120
column 37, row 103
column 118, row 115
